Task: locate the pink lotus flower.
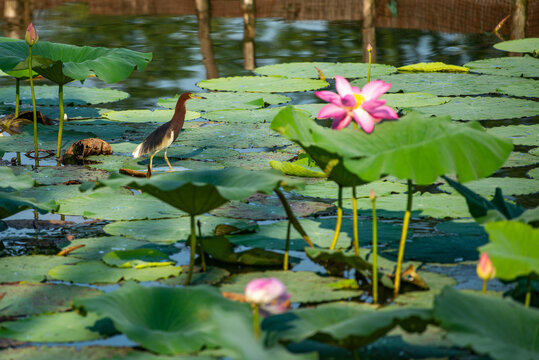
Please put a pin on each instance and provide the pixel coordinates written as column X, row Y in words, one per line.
column 269, row 293
column 351, row 102
column 31, row 36
column 485, row 269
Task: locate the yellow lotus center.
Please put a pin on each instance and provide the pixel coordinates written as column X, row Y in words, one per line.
column 359, row 100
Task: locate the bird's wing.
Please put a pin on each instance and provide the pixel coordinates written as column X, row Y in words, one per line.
column 161, row 138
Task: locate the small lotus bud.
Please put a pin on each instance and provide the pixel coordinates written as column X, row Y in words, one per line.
column 269, row 293
column 372, row 195
column 369, row 47
column 485, row 269
column 31, row 36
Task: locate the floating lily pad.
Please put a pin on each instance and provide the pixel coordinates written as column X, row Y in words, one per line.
column 109, row 131
column 48, row 95
column 500, row 328
column 463, row 227
column 483, row 108
column 308, row 70
column 243, row 116
column 528, row 45
column 59, row 327
column 143, row 116
column 534, row 173
column 525, row 66
column 211, row 276
column 267, row 84
column 518, row 134
column 258, row 160
column 445, row 84
column 96, row 272
column 227, row 100
column 297, row 169
column 182, row 322
column 329, row 190
column 509, row 186
column 168, row 231
column 413, row 100
column 220, row 249
column 433, row 67
column 87, row 353
column 32, row 299
column 12, row 181
column 113, row 163
column 530, row 89
column 50, row 175
column 425, row 299
column 137, row 258
column 304, row 287
column 29, row 268
column 521, row 159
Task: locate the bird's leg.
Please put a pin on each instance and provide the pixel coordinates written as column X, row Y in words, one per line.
column 151, row 159
column 168, row 162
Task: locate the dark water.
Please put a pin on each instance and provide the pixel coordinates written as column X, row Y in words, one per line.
column 177, row 60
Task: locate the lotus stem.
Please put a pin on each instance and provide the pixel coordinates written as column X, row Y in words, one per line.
column 292, row 217
column 369, row 49
column 193, row 250
column 485, row 281
column 528, row 298
column 374, row 250
column 403, row 238
column 61, row 126
column 18, row 158
column 339, row 221
column 17, row 96
column 201, row 248
column 354, row 221
column 256, row 321
column 287, row 246
column 36, row 153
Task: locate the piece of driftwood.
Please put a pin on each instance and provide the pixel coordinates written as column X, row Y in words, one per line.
column 86, row 147
column 136, row 173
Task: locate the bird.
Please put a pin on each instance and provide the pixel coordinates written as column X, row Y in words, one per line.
column 162, row 137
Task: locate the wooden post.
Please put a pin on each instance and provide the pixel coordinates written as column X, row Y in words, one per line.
column 518, row 19
column 204, row 30
column 249, row 24
column 369, row 31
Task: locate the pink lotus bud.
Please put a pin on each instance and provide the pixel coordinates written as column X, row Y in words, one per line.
column 269, row 293
column 372, row 195
column 369, row 47
column 485, row 269
column 31, row 36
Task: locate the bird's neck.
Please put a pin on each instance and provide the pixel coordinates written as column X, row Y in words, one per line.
column 179, row 114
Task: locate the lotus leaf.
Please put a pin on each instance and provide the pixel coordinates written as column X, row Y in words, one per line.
column 211, row 276
column 303, row 286
column 336, row 262
column 433, row 67
column 268, row 84
column 166, row 320
column 12, row 203
column 525, row 66
column 509, row 186
column 413, row 100
column 483, row 108
column 328, row 190
column 534, row 173
column 256, row 160
column 137, row 258
column 227, row 100
column 308, row 70
column 529, row 45
column 48, row 95
column 12, row 181
column 87, row 353
column 144, row 116
column 500, row 328
column 529, row 89
column 519, row 134
column 220, row 249
column 521, row 159
column 344, row 326
column 513, row 249
column 243, row 116
column 50, row 175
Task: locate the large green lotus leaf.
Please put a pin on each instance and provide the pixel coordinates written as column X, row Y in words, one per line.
column 320, row 231
column 143, row 116
column 95, row 247
column 50, row 175
column 308, row 70
column 11, row 181
column 528, row 45
column 54, row 193
column 303, row 286
column 521, row 159
column 212, row 276
column 255, row 160
column 168, row 231
column 529, row 89
column 483, row 108
column 12, row 203
column 268, row 84
column 525, row 66
column 513, row 249
column 112, row 163
column 197, row 192
column 342, row 325
column 30, row 267
column 96, row 272
column 500, row 328
column 413, row 100
column 104, row 129
column 136, row 258
column 509, row 186
column 108, row 204
column 534, row 173
column 519, row 134
column 165, row 320
column 329, row 190
column 32, row 299
column 59, row 327
column 226, row 100
column 48, row 95
column 63, row 63
column 446, row 84
column 243, row 116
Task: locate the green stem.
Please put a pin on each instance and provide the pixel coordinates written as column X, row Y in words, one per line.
column 61, row 126
column 36, row 150
column 292, row 218
column 287, row 246
column 193, row 250
column 528, row 298
column 370, row 60
column 339, row 221
column 17, row 96
column 201, row 248
column 374, row 253
column 485, row 281
column 256, row 321
column 18, row 158
column 403, row 238
column 354, row 221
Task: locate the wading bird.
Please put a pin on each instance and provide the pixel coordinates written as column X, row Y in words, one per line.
column 165, row 134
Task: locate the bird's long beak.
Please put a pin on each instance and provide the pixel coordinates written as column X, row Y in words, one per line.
column 196, row 97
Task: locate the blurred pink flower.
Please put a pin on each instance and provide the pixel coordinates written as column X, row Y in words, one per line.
column 269, row 293
column 351, row 102
column 485, row 269
column 31, row 36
